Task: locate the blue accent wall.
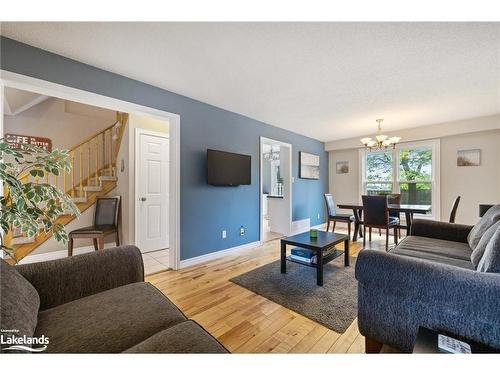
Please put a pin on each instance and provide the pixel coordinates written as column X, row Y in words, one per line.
column 205, row 210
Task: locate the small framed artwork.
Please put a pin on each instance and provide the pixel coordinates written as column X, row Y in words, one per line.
column 469, row 158
column 342, row 167
column 308, row 166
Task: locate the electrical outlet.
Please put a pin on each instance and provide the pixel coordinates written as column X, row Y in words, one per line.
column 242, row 230
column 224, row 234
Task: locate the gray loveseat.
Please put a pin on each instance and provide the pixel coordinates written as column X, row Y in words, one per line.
column 96, row 303
column 443, row 276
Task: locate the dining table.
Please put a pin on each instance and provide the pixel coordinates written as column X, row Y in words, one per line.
column 408, row 209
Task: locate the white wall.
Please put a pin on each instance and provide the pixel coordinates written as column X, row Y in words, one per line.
column 475, row 185
column 345, row 187
column 65, row 123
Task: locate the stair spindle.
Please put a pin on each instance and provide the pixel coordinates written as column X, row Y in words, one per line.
column 81, row 171
column 96, row 161
column 88, row 163
column 103, row 151
column 111, row 151
column 72, row 174
column 64, row 181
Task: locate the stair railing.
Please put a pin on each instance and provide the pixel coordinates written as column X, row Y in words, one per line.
column 91, row 158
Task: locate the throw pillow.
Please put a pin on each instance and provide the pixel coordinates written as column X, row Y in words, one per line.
column 478, row 252
column 489, row 218
column 490, row 262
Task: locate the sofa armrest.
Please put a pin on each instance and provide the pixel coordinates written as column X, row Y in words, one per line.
column 397, row 294
column 64, row 280
column 440, row 230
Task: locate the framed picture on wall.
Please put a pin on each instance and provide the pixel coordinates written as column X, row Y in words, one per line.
column 342, row 167
column 308, row 166
column 469, row 158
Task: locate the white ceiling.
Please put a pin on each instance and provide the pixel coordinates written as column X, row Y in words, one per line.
column 325, row 80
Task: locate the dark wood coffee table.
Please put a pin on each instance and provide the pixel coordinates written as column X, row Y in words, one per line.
column 324, row 241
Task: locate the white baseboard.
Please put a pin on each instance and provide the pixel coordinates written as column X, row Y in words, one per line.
column 61, row 254
column 217, row 254
column 300, row 226
column 320, row 226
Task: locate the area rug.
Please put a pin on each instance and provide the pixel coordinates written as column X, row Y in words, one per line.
column 333, row 305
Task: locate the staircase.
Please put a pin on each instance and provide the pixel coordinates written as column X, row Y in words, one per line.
column 93, row 175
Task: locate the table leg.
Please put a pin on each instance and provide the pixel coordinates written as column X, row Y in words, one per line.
column 357, row 226
column 319, row 268
column 283, row 257
column 346, row 252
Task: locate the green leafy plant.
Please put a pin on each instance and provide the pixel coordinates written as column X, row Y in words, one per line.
column 33, row 206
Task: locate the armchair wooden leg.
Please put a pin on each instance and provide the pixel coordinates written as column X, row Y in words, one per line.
column 396, row 235
column 101, row 242
column 370, row 234
column 95, row 244
column 117, row 240
column 364, row 236
column 349, row 230
column 372, row 346
column 328, row 225
column 334, row 223
column 70, row 246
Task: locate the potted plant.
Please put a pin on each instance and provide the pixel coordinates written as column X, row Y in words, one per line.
column 32, row 206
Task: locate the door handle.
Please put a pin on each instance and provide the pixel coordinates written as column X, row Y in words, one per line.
column 142, row 199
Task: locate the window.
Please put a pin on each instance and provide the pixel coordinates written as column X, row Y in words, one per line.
column 379, row 173
column 410, row 170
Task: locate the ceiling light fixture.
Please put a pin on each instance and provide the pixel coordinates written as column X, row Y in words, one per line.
column 381, row 141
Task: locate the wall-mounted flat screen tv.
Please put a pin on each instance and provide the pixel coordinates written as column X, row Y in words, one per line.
column 228, row 169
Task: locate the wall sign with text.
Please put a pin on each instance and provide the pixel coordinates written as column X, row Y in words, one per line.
column 17, row 141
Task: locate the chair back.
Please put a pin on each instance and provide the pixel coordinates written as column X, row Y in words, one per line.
column 106, row 211
column 330, row 205
column 454, row 209
column 394, row 199
column 375, row 210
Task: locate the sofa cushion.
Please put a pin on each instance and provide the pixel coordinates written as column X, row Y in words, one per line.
column 19, row 303
column 185, row 337
column 490, row 217
column 490, row 262
column 478, row 252
column 108, row 322
column 441, row 251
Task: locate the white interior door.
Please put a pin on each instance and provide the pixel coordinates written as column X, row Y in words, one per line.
column 152, row 193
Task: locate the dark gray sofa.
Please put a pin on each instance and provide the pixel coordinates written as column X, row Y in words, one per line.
column 96, row 303
column 427, row 280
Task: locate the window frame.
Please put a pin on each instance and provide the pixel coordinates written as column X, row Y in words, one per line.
column 434, row 145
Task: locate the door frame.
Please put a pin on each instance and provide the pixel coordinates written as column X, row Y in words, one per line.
column 23, row 82
column 262, row 141
column 138, row 132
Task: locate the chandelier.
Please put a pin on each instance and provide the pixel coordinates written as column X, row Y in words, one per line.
column 381, row 141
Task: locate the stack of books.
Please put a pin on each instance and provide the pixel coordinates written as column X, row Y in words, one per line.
column 309, row 256
column 304, row 255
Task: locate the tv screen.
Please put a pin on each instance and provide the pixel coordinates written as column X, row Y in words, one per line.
column 228, row 169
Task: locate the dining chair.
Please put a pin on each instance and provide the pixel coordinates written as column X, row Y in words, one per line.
column 454, row 209
column 376, row 215
column 105, row 222
column 334, row 216
column 395, row 199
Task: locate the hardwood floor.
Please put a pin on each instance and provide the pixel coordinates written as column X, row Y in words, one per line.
column 245, row 322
